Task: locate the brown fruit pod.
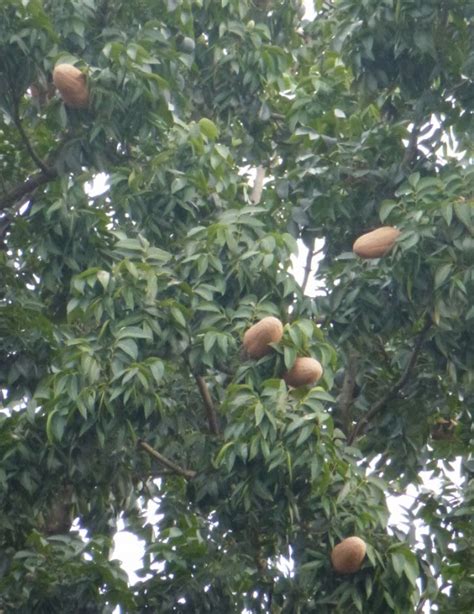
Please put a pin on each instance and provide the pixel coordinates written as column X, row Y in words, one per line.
column 377, row 243
column 347, row 556
column 258, row 337
column 305, row 371
column 71, row 83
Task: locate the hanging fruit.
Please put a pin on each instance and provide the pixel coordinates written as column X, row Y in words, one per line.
column 304, row 372
column 258, row 337
column 347, row 556
column 72, row 86
column 377, row 243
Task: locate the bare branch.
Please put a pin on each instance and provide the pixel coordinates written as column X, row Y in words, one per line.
column 186, row 473
column 256, row 194
column 208, row 404
column 380, row 404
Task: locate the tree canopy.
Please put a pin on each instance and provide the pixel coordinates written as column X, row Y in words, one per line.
column 224, row 132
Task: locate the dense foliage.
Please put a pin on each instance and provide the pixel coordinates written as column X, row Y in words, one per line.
column 122, row 308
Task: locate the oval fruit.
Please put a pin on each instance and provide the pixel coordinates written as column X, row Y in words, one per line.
column 347, row 556
column 258, row 337
column 71, row 83
column 377, row 243
column 188, row 45
column 305, row 371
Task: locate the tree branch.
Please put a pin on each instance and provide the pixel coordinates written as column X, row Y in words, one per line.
column 380, row 404
column 421, row 605
column 34, row 156
column 27, row 187
column 257, row 189
column 208, row 404
column 346, row 397
column 307, row 268
column 411, row 150
column 186, row 473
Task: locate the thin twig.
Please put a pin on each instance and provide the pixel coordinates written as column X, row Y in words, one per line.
column 186, row 473
column 380, row 404
column 257, row 189
column 208, row 404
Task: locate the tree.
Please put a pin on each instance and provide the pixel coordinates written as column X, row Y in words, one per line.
column 122, row 310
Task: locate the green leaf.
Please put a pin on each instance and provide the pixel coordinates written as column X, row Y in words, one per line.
column 222, row 452
column 442, row 274
column 411, row 570
column 414, row 179
column 210, row 339
column 178, row 317
column 386, row 208
column 464, row 213
column 208, row 128
column 290, row 355
column 129, row 347
column 157, row 369
column 49, row 425
column 343, row 493
column 134, row 332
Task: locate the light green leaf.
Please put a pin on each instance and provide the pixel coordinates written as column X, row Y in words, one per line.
column 208, row 128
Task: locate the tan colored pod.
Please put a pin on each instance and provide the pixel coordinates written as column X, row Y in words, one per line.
column 304, row 371
column 347, row 556
column 71, row 83
column 377, row 243
column 258, row 337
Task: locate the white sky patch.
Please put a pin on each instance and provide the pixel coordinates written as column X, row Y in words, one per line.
column 129, row 550
column 313, row 287
column 310, row 13
column 97, row 186
column 448, row 150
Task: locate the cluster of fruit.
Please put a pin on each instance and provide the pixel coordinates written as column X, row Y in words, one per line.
column 347, row 556
column 259, row 337
column 257, row 340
